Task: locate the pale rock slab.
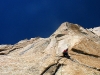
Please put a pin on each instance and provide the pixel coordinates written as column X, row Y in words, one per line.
column 43, row 56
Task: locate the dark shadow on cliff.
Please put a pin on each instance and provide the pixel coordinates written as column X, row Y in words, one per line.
column 59, row 35
column 84, row 53
column 47, row 69
column 52, row 71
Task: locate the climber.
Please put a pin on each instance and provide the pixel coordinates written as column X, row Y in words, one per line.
column 65, row 53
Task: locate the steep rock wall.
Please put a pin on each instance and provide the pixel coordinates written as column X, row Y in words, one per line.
column 43, row 56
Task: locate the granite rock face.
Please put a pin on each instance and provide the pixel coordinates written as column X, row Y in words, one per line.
column 95, row 30
column 43, row 56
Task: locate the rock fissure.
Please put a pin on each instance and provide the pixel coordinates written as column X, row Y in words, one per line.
column 85, row 65
column 58, row 66
column 84, row 53
column 46, row 69
column 52, row 69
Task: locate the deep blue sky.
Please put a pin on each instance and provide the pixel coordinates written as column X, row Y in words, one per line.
column 21, row 19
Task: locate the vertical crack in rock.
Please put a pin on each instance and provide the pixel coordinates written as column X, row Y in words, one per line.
column 48, row 68
column 52, row 69
column 59, row 65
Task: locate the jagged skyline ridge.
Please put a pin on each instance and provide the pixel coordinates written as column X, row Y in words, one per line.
column 26, row 19
column 43, row 56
